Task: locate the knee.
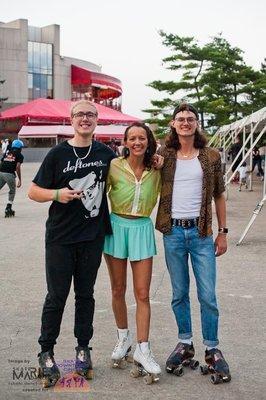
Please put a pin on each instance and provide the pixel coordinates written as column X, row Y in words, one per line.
column 142, row 295
column 180, row 294
column 118, row 292
column 208, row 300
column 55, row 302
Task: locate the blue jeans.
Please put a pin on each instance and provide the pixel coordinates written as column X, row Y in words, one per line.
column 179, row 245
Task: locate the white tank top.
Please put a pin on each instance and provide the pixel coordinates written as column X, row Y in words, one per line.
column 187, row 190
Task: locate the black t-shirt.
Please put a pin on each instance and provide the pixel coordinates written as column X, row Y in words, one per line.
column 9, row 161
column 84, row 219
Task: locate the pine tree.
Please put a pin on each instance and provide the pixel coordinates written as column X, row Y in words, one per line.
column 213, row 77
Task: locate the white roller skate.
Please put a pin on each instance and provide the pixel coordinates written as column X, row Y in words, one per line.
column 144, row 364
column 120, row 356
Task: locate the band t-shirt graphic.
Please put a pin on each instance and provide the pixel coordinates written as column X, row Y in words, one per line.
column 80, row 219
column 9, row 161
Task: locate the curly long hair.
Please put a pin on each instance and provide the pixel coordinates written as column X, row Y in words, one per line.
column 151, row 149
column 172, row 139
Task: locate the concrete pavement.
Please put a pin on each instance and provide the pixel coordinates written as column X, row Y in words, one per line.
column 241, row 295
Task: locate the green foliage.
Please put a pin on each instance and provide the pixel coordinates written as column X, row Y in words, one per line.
column 213, row 77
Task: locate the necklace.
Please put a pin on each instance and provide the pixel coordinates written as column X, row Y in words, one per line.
column 187, row 155
column 86, row 155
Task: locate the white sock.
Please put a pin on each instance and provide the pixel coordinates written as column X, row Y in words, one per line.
column 122, row 333
column 144, row 346
column 210, row 348
column 187, row 341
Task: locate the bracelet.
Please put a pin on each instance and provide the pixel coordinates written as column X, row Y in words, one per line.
column 56, row 195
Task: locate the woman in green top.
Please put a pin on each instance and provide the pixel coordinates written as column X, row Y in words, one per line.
column 133, row 187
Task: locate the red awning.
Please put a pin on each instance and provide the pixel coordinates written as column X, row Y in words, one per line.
column 81, row 76
column 58, row 111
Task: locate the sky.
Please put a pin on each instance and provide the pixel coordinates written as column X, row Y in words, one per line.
column 122, row 35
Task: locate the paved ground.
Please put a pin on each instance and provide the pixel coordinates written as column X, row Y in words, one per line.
column 241, row 292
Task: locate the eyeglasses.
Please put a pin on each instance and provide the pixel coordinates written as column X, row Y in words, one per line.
column 81, row 114
column 189, row 120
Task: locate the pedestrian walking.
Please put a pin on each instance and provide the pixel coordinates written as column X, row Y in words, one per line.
column 10, row 170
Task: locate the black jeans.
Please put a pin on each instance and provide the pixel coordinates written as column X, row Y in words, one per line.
column 258, row 163
column 80, row 261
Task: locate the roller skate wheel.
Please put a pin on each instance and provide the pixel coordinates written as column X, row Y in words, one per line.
column 114, row 364
column 169, row 369
column 148, row 379
column 90, row 374
column 194, row 364
column 129, row 358
column 204, row 370
column 186, row 363
column 49, row 382
column 178, row 371
column 40, row 373
column 134, row 373
column 45, row 383
column 122, row 364
column 227, row 378
column 215, row 379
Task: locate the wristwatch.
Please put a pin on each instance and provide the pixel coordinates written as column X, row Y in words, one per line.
column 223, row 230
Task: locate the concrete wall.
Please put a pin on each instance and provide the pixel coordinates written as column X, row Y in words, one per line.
column 14, row 37
column 14, row 61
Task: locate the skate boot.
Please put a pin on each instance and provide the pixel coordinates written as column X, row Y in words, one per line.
column 120, row 356
column 182, row 356
column 48, row 370
column 145, row 365
column 8, row 211
column 83, row 364
column 217, row 366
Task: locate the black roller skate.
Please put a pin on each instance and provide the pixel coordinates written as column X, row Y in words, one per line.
column 48, row 370
column 83, row 364
column 8, row 211
column 217, row 366
column 182, row 356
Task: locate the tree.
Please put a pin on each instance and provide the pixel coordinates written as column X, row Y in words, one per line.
column 213, row 77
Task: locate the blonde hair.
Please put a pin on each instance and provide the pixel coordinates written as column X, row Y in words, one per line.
column 77, row 103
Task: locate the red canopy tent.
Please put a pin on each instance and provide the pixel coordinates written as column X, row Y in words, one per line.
column 47, row 111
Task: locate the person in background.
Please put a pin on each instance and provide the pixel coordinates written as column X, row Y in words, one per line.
column 243, row 176
column 10, row 168
column 256, row 160
column 233, row 152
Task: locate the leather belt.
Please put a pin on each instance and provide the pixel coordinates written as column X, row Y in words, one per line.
column 185, row 223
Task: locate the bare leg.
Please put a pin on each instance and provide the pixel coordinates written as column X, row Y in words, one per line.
column 117, row 268
column 142, row 271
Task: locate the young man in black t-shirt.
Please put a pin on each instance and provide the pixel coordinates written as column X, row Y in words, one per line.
column 73, row 177
column 10, row 166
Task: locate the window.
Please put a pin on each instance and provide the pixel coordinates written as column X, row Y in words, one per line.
column 40, row 70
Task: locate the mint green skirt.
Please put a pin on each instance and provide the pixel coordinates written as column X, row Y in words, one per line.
column 131, row 238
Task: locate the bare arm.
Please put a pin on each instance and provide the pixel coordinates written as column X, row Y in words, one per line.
column 220, row 241
column 42, row 195
column 18, row 171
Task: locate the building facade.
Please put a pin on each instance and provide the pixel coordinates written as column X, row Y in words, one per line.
column 32, row 67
